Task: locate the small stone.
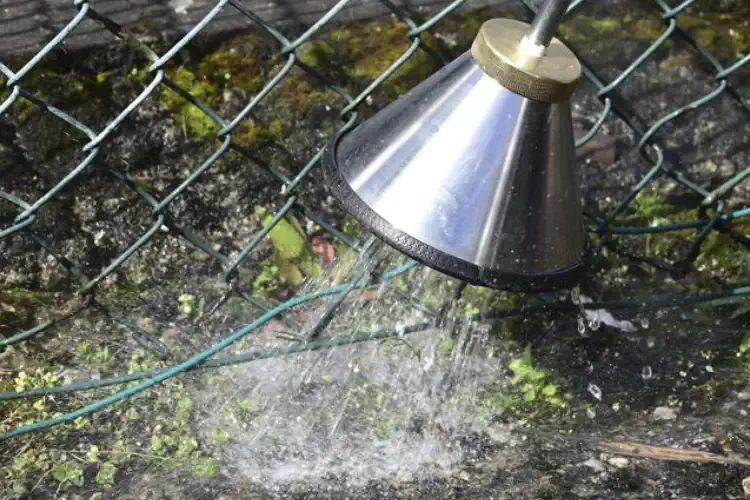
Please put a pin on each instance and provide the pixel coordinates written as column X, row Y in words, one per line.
column 619, row 462
column 595, row 391
column 664, row 413
column 594, row 464
column 746, row 486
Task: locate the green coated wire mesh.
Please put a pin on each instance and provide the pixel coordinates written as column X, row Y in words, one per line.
column 171, row 219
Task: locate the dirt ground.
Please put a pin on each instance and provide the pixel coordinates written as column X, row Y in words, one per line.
column 457, row 411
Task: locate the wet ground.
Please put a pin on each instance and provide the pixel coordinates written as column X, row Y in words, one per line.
column 532, row 406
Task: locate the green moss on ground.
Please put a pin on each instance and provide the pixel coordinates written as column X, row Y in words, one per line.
column 154, row 427
column 54, row 81
column 724, row 34
column 532, row 393
column 581, row 30
column 358, row 53
column 721, row 260
column 188, row 114
column 724, row 259
column 18, row 306
column 238, row 64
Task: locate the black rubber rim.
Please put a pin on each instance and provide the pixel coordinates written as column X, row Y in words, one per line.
column 437, row 259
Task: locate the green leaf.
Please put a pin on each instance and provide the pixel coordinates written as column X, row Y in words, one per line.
column 246, row 404
column 288, row 239
column 186, row 302
column 537, row 376
column 206, row 467
column 745, row 345
column 221, row 437
column 68, row 471
column 292, row 250
column 157, row 443
column 549, row 390
column 106, row 474
column 184, row 408
column 446, row 346
column 93, row 454
column 187, row 445
column 290, row 273
column 530, row 393
column 122, row 451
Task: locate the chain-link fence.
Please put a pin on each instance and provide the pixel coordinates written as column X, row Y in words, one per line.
column 710, row 210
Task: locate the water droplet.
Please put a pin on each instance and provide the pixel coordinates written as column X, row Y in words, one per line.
column 581, row 325
column 575, row 295
column 644, row 322
column 650, row 342
column 595, row 323
column 595, row 391
column 647, row 372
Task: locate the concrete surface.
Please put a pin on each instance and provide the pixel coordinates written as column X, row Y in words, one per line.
column 26, row 25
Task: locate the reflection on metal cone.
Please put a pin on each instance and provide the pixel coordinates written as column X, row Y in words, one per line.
column 470, row 177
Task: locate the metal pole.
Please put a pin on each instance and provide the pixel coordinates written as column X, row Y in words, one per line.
column 546, row 22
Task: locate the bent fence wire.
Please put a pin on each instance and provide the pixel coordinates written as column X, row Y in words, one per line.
column 712, row 215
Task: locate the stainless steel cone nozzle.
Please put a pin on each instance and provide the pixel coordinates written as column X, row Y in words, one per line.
column 473, row 171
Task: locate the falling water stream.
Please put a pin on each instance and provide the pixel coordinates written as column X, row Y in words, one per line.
column 387, row 409
column 416, row 407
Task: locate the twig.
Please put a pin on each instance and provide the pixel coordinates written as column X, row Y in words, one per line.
column 40, row 481
column 635, row 449
column 656, row 452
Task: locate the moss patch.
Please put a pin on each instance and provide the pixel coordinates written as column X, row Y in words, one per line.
column 358, row 53
column 19, row 305
column 44, row 461
column 532, row 392
column 610, row 32
column 725, row 34
column 238, row 65
column 189, row 115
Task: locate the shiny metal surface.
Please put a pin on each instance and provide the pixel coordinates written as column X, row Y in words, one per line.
column 473, row 170
column 548, row 76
